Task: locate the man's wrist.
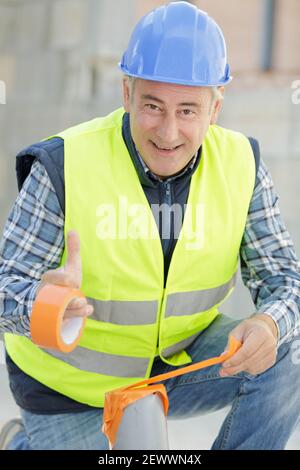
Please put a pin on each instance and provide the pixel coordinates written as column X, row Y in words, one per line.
column 269, row 321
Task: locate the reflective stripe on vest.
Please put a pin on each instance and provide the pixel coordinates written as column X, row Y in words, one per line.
column 145, row 312
column 124, row 313
column 167, row 352
column 187, row 303
column 106, row 364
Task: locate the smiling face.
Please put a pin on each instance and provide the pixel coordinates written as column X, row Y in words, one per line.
column 168, row 122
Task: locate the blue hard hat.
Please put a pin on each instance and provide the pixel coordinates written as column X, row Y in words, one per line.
column 177, row 43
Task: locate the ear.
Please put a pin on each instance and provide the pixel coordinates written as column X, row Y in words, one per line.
column 217, row 107
column 126, row 95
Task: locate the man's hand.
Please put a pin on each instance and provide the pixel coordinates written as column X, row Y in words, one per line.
column 258, row 336
column 70, row 275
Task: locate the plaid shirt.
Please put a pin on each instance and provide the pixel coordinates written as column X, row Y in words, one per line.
column 33, row 242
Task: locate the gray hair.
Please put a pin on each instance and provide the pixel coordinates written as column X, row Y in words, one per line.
column 131, row 82
column 216, row 94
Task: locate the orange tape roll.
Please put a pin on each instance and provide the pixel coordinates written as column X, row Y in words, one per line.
column 48, row 330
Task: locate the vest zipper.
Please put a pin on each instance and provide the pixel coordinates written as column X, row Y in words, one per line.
column 168, row 193
column 168, row 201
column 166, row 223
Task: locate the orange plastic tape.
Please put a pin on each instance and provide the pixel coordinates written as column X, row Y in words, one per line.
column 47, row 327
column 117, row 400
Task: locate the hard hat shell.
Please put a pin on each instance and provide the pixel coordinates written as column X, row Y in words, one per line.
column 177, row 43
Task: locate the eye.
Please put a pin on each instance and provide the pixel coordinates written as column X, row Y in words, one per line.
column 187, row 112
column 152, row 107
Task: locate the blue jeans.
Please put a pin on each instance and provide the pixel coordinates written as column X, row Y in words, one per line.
column 264, row 408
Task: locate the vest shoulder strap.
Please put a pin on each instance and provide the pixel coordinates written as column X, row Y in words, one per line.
column 256, row 152
column 50, row 154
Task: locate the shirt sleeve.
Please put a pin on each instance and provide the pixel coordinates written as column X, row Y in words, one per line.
column 32, row 243
column 269, row 265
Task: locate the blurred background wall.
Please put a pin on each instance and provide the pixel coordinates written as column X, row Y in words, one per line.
column 58, row 61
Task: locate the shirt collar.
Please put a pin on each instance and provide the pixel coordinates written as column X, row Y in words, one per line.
column 188, row 167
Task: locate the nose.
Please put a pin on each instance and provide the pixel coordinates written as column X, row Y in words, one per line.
column 168, row 131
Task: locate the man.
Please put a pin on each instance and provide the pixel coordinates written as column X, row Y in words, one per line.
column 147, row 211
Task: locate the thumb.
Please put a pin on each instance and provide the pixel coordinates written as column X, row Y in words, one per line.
column 225, row 350
column 238, row 334
column 73, row 263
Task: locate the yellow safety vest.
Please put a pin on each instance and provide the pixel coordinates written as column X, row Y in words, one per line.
column 136, row 317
